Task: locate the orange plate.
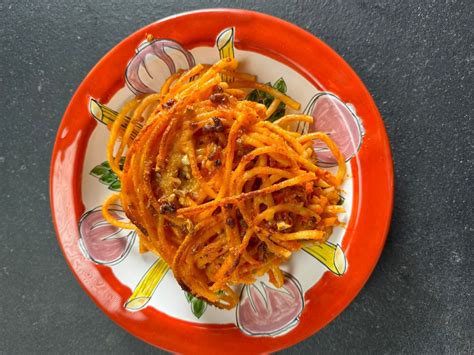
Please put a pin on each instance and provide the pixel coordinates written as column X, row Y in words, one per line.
column 371, row 168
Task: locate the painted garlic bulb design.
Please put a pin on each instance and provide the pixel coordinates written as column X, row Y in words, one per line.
column 339, row 121
column 270, row 311
column 101, row 242
column 168, row 52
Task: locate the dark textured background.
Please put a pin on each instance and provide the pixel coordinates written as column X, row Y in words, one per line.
column 416, row 59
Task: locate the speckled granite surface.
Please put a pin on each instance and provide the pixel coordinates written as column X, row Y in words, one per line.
column 416, row 58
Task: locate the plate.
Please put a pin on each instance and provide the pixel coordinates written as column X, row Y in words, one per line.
column 138, row 291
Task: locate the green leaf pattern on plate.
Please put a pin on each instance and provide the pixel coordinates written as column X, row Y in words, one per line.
column 341, row 200
column 267, row 99
column 106, row 176
column 198, row 306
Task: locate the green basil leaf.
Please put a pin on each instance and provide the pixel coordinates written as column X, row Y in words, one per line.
column 198, row 307
column 99, row 170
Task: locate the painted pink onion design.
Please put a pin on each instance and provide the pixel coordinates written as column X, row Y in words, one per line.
column 156, row 48
column 101, row 242
column 269, row 311
column 338, row 120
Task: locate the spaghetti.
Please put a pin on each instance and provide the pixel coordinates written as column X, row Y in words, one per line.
column 222, row 195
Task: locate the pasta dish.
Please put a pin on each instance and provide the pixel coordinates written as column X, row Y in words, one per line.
column 219, row 192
